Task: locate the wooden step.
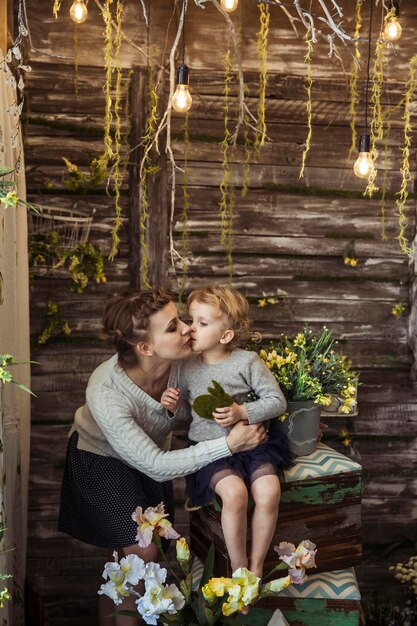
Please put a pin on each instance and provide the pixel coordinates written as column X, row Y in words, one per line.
column 325, row 599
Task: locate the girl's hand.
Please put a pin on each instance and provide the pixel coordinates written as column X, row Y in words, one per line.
column 228, row 415
column 170, row 399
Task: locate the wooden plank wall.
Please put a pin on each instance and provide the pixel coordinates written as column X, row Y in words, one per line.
column 287, row 244
column 290, row 246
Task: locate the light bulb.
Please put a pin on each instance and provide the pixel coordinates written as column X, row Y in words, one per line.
column 78, row 11
column 364, row 163
column 392, row 30
column 182, row 100
column 229, row 5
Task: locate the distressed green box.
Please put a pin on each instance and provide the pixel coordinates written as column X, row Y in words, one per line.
column 326, row 599
column 320, row 501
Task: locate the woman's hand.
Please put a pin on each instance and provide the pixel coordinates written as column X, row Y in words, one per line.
column 245, row 437
column 170, row 399
column 229, row 415
column 321, row 431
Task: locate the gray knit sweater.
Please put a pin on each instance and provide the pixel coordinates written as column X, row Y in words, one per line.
column 240, row 373
column 121, row 420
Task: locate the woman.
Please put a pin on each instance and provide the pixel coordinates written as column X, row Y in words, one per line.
column 118, row 454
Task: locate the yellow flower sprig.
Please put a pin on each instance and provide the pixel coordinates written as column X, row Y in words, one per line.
column 263, row 302
column 397, row 310
column 308, row 368
column 350, row 261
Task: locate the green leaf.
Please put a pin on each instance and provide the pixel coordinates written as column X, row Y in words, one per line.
column 5, row 171
column 21, row 386
column 208, row 566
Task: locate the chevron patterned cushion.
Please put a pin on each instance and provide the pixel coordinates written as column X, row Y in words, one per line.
column 323, row 462
column 338, row 585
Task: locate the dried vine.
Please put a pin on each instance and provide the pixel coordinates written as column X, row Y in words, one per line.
column 387, row 132
column 184, row 212
column 226, row 203
column 377, row 123
column 353, row 84
column 405, row 165
column 148, row 167
column 248, row 155
column 309, row 82
column 116, row 174
column 262, row 45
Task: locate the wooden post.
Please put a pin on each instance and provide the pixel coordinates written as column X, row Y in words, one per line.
column 137, row 128
column 3, row 26
column 158, row 221
column 412, row 328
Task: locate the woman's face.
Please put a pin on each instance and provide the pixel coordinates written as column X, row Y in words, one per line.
column 169, row 336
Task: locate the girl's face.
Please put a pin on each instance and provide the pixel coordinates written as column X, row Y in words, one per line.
column 208, row 326
column 169, row 336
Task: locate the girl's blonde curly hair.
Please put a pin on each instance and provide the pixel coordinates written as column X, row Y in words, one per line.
column 232, row 305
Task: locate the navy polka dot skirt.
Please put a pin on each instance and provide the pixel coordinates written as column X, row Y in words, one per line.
column 99, row 495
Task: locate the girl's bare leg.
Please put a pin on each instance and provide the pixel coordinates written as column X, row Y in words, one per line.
column 147, row 554
column 266, row 492
column 234, row 495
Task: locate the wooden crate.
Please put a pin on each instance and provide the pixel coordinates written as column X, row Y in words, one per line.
column 320, row 501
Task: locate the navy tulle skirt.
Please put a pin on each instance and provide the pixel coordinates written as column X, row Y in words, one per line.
column 271, row 457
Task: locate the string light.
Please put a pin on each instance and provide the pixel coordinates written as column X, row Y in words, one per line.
column 392, row 29
column 78, row 11
column 229, row 5
column 181, row 100
column 364, row 164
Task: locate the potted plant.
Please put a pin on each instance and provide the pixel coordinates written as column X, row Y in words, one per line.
column 311, row 374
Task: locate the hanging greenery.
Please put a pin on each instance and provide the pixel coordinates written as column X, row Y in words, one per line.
column 148, row 167
column 262, row 44
column 248, row 155
column 57, row 7
column 226, row 188
column 353, row 84
column 116, row 175
column 386, row 132
column 184, row 212
column 405, row 164
column 126, row 113
column 108, row 64
column 377, row 122
column 54, row 320
column 309, row 84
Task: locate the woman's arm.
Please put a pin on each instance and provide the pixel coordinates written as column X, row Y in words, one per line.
column 137, row 449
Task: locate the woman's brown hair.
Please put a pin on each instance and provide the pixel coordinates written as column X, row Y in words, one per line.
column 126, row 321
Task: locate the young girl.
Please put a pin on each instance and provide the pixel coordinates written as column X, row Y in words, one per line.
column 219, row 324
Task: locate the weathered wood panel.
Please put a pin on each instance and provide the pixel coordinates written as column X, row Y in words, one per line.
column 287, row 245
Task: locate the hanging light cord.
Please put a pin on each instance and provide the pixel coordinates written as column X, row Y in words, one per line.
column 184, row 4
column 368, row 66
